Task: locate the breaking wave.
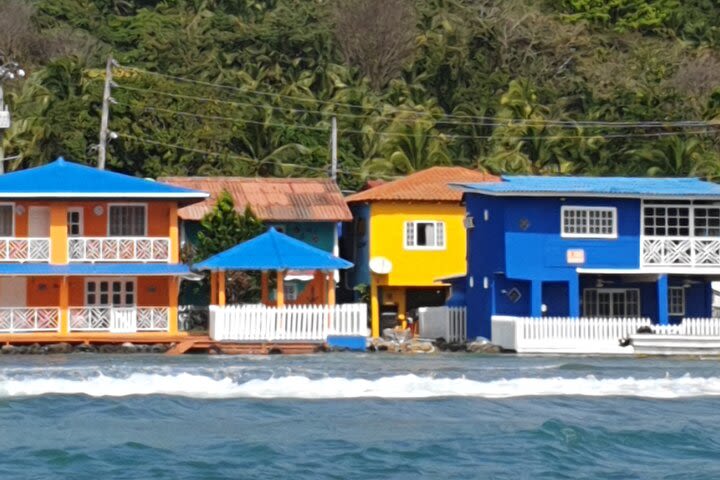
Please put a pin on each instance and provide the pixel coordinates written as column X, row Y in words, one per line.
column 391, row 387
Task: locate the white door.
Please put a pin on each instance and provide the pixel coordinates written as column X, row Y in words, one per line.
column 39, row 222
column 13, row 292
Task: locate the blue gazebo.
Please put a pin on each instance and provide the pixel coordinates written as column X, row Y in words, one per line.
column 271, row 251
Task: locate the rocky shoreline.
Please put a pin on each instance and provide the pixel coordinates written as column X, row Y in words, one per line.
column 402, row 341
column 65, row 348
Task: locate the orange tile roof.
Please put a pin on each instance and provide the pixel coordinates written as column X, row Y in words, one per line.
column 270, row 199
column 429, row 185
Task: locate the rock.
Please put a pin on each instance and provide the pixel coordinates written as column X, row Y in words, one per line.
column 420, row 347
column 109, row 348
column 35, row 349
column 128, row 347
column 441, row 344
column 8, row 350
column 84, row 348
column 62, row 347
column 159, row 348
column 482, row 346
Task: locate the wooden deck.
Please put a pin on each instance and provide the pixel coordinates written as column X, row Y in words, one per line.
column 181, row 343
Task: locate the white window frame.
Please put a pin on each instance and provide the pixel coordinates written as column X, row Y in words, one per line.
column 610, row 291
column 611, row 210
column 12, row 206
column 425, row 247
column 145, row 223
column 81, row 212
column 110, row 281
column 680, row 311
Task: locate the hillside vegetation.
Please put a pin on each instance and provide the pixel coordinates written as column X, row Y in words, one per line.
column 514, row 86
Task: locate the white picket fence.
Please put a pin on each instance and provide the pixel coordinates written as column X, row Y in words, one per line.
column 692, row 327
column 312, row 323
column 449, row 323
column 564, row 335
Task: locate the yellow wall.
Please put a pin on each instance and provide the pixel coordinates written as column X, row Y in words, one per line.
column 416, row 268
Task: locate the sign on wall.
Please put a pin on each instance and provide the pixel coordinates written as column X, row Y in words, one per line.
column 575, row 256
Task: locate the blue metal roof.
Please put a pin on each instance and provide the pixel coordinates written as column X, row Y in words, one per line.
column 99, row 269
column 273, row 251
column 62, row 179
column 596, row 186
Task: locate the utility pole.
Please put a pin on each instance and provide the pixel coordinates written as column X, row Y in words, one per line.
column 8, row 71
column 333, row 150
column 104, row 117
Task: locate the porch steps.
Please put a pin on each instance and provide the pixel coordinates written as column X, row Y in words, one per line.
column 182, row 347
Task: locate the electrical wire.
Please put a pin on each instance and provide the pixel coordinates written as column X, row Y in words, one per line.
column 569, row 123
column 246, row 159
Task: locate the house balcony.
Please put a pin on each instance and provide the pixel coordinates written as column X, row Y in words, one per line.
column 119, row 319
column 13, row 249
column 680, row 251
column 24, row 320
column 119, row 249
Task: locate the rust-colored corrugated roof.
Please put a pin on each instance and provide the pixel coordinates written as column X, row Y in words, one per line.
column 429, row 185
column 270, row 199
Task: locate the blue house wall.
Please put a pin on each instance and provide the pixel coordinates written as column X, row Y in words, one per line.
column 518, row 261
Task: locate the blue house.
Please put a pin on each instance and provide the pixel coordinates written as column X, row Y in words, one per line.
column 591, row 247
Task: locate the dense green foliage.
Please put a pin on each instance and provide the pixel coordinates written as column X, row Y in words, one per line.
column 221, row 229
column 507, row 70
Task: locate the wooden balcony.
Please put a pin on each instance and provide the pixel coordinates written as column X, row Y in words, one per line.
column 119, row 249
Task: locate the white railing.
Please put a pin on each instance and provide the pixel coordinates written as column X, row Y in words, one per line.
column 564, row 335
column 680, row 251
column 254, row 323
column 119, row 319
column 449, row 323
column 23, row 319
column 24, row 249
column 692, row 327
column 118, row 249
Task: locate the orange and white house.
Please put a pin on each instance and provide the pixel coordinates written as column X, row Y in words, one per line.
column 87, row 253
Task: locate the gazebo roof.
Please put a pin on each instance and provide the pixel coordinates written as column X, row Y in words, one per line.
column 273, row 251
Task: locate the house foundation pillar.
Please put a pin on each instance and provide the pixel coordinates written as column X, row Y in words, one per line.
column 374, row 308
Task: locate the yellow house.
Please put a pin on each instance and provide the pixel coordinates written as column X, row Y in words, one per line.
column 406, row 235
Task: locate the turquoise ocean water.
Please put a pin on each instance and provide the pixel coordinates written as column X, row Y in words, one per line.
column 358, row 416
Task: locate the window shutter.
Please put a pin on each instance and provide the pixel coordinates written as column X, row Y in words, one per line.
column 440, row 234
column 409, row 234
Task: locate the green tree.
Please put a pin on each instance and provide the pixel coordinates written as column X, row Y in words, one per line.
column 221, row 229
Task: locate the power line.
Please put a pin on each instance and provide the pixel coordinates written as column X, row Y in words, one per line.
column 571, row 123
column 441, row 136
column 240, row 157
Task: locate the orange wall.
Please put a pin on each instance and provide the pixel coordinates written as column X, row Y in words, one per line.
column 158, row 217
column 153, row 291
column 45, row 291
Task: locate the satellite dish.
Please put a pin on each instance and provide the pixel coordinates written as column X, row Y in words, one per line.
column 380, row 265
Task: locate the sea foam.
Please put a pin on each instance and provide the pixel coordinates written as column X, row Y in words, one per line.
column 391, row 387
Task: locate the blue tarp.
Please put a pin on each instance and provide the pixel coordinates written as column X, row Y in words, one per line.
column 99, row 269
column 597, row 186
column 62, row 179
column 273, row 251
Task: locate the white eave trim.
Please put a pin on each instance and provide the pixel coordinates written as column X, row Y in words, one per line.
column 66, row 195
column 652, row 270
column 590, row 195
